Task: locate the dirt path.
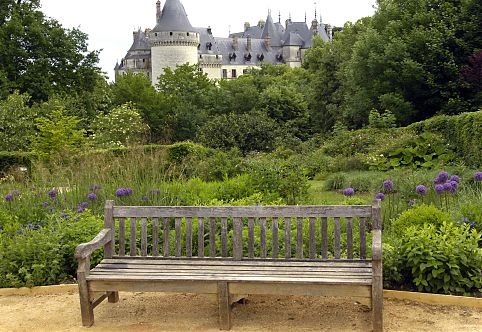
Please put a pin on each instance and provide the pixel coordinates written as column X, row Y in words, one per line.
column 179, row 312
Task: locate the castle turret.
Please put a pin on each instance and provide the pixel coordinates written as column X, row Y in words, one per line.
column 158, row 11
column 173, row 40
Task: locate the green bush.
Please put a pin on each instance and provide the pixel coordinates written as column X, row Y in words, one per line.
column 443, row 260
column 418, row 217
column 35, row 256
column 392, row 266
column 13, row 159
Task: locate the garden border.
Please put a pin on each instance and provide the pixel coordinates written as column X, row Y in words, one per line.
column 435, row 299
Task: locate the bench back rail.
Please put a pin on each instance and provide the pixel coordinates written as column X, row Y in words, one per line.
column 286, row 232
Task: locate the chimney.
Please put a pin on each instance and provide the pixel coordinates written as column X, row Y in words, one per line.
column 248, row 43
column 288, row 22
column 246, row 26
column 158, row 11
column 261, row 24
column 135, row 34
column 329, row 31
column 210, row 31
column 235, row 43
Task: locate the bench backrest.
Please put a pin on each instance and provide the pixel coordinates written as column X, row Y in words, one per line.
column 242, row 232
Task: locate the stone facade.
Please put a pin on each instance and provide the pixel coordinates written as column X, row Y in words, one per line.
column 173, row 41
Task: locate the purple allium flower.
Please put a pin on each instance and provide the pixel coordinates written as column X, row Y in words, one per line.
column 439, row 188
column 80, row 210
column 421, row 190
column 380, row 196
column 443, row 177
column 92, row 196
column 51, row 209
column 53, row 193
column 388, row 185
column 478, row 176
column 121, row 192
column 454, row 185
column 455, row 178
column 84, row 205
column 447, row 186
column 129, row 191
column 9, row 198
column 46, row 204
column 156, row 192
column 349, row 192
column 411, row 203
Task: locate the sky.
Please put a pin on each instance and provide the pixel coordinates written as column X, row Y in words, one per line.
column 110, row 23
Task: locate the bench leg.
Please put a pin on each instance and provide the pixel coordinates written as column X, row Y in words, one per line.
column 113, row 297
column 224, row 306
column 86, row 306
column 377, row 303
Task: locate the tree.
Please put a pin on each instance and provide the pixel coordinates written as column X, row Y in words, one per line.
column 16, row 123
column 38, row 56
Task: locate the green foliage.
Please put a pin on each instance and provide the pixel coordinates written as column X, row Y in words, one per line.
column 392, row 266
column 120, row 127
column 418, row 217
column 463, row 132
column 45, row 256
column 16, row 123
column 384, row 120
column 9, row 160
column 57, row 133
column 443, row 260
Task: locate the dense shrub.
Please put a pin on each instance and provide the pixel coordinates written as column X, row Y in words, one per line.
column 33, row 255
column 9, row 160
column 443, row 260
column 418, row 217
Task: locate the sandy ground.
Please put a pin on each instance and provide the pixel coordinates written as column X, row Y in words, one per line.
column 186, row 312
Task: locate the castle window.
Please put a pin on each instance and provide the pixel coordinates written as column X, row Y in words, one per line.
column 155, row 34
column 245, row 71
column 225, row 73
column 188, row 34
column 170, row 33
column 233, row 73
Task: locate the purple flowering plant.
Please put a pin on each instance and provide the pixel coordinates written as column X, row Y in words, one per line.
column 348, row 192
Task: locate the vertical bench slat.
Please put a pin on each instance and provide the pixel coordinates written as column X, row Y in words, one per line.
column 200, row 237
column 349, row 237
column 337, row 246
column 178, row 237
column 287, row 237
column 144, row 237
column 324, row 238
column 363, row 239
column 251, row 237
column 224, row 237
column 238, row 239
column 212, row 237
column 166, row 236
column 299, row 237
column 133, row 244
column 312, row 238
column 189, row 237
column 262, row 235
column 155, row 237
column 109, row 248
column 274, row 237
column 122, row 237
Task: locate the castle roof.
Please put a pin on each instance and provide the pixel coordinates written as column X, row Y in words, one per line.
column 173, row 18
column 270, row 30
column 140, row 42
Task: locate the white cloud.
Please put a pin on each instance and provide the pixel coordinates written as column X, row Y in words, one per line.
column 109, row 23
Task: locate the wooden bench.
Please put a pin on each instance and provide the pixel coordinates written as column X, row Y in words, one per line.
column 226, row 251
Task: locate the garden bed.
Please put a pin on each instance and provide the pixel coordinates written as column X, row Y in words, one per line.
column 183, row 312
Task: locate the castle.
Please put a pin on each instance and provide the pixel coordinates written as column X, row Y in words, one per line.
column 174, row 41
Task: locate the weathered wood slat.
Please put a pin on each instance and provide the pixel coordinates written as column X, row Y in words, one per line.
column 224, row 237
column 241, row 211
column 189, row 237
column 363, row 239
column 178, row 236
column 349, row 237
column 144, row 236
column 165, row 242
column 238, row 239
column 200, row 237
column 250, row 237
column 122, row 237
column 262, row 238
column 337, row 244
column 274, row 238
column 133, row 243
column 155, row 237
column 287, row 221
column 109, row 247
column 212, row 237
column 313, row 250
column 324, row 238
column 299, row 238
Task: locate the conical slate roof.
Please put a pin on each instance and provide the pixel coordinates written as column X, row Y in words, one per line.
column 271, row 31
column 173, row 18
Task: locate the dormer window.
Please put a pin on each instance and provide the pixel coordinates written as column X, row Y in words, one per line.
column 170, row 33
column 188, row 34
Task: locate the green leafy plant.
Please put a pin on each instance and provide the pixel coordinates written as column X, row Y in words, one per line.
column 418, row 217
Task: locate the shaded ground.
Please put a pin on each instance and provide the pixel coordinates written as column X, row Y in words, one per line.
column 180, row 312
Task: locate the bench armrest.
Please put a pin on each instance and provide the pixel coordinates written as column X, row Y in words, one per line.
column 377, row 245
column 84, row 250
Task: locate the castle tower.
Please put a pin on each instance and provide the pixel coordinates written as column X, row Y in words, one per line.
column 173, row 40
